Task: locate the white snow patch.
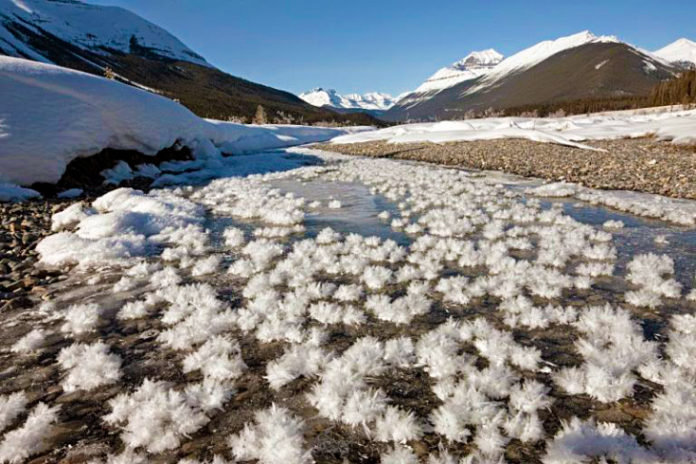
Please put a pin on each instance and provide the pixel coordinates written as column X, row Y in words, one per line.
column 576, row 131
column 217, row 359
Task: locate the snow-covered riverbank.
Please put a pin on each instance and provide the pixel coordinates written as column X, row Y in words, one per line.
column 673, row 124
column 51, row 115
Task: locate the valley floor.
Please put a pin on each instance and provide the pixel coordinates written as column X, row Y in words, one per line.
column 359, row 310
column 642, row 164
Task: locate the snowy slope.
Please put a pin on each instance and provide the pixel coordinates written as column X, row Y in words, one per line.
column 471, row 66
column 682, row 50
column 99, row 29
column 474, row 65
column 50, row 115
column 375, row 101
column 676, row 126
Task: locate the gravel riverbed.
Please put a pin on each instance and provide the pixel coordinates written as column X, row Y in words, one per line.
column 644, row 164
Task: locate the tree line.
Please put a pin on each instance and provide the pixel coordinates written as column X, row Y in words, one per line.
column 679, row 91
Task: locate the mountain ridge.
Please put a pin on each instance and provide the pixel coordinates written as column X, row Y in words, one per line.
column 546, row 72
column 88, row 27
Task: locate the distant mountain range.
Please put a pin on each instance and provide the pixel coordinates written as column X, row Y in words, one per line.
column 92, row 38
column 375, row 103
column 576, row 67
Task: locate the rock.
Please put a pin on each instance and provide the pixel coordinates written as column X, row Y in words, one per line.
column 28, row 238
column 15, row 285
column 38, row 290
column 614, row 414
column 420, row 449
column 16, row 302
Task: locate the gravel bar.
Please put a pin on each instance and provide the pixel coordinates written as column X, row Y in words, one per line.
column 644, row 164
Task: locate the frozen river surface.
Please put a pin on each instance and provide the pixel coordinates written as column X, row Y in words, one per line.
column 356, row 310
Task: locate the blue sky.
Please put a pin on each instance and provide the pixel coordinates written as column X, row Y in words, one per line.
column 389, row 45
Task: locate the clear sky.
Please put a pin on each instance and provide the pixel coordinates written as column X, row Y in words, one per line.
column 391, row 45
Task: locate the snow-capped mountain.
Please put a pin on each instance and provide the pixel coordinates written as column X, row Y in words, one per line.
column 373, row 101
column 91, row 38
column 471, row 66
column 578, row 66
column 477, row 64
column 679, row 51
column 99, row 29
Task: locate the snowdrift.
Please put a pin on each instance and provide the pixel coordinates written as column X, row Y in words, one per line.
column 50, row 115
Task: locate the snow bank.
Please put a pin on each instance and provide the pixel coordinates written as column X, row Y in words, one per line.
column 51, row 115
column 675, row 126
